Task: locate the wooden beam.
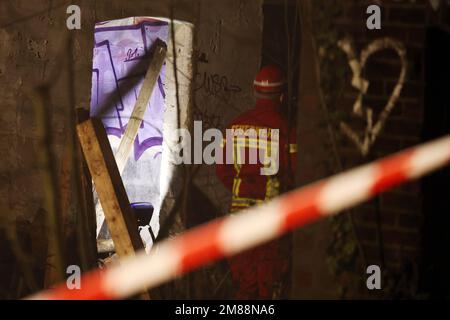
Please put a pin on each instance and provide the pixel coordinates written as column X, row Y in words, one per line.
column 109, row 186
column 110, row 189
column 86, row 225
column 151, row 77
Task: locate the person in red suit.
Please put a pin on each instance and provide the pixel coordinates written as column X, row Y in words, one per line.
column 259, row 272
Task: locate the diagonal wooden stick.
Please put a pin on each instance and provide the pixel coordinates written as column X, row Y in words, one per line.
column 111, row 191
column 126, row 144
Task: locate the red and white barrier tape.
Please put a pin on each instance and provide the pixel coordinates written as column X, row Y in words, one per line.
column 256, row 225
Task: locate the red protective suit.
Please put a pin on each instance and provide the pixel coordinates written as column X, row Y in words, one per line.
column 259, row 272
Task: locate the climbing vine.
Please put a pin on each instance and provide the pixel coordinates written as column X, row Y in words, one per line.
column 346, row 257
column 345, row 254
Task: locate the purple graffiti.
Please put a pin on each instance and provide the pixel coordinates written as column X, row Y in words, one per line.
column 117, row 51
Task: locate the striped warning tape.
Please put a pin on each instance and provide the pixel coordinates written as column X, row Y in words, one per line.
column 256, row 225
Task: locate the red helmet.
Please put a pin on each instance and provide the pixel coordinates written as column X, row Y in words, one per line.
column 270, row 79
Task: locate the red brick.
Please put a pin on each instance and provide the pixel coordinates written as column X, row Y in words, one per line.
column 411, row 89
column 376, row 88
column 350, row 156
column 402, row 238
column 415, row 58
column 409, row 221
column 345, row 102
column 367, row 234
column 403, row 127
column 413, row 110
column 381, row 69
column 372, row 254
column 416, row 35
column 410, row 141
column 412, row 188
column 387, row 143
column 409, row 254
column 392, row 255
column 407, row 15
column 397, row 32
column 388, row 218
column 356, row 31
column 366, row 216
column 305, row 278
column 402, row 202
column 378, row 104
column 357, row 12
column 358, row 124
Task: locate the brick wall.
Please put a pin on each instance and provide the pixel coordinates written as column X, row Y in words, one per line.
column 400, row 209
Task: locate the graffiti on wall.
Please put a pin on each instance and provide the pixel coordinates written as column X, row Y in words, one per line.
column 211, row 90
column 215, row 85
column 119, row 67
column 357, row 64
column 117, row 51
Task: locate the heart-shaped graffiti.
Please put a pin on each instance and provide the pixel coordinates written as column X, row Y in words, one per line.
column 357, row 65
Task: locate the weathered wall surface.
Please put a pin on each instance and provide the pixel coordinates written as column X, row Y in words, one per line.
column 227, row 48
column 228, row 57
column 31, row 34
column 227, row 44
column 27, row 57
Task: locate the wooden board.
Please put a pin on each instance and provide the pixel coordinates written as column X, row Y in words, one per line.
column 110, row 189
column 109, row 186
column 151, row 77
column 86, row 223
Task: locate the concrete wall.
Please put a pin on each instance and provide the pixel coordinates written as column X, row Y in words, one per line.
column 227, row 48
column 227, row 37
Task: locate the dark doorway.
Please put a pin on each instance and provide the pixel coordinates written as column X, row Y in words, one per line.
column 435, row 276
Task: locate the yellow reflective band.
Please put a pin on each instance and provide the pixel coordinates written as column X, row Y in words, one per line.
column 292, row 148
column 236, row 186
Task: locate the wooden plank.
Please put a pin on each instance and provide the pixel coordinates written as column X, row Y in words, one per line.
column 110, row 189
column 151, row 77
column 86, row 215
